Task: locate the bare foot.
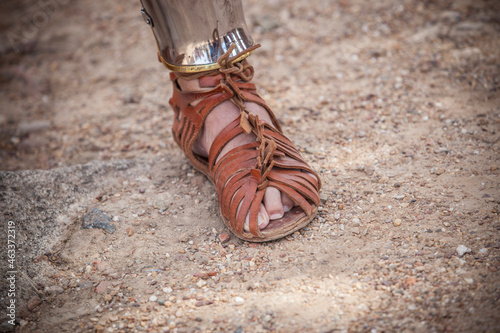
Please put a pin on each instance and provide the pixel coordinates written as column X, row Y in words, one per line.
column 275, row 203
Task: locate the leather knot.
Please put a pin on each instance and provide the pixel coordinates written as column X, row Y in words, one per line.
column 249, row 122
column 230, row 70
column 267, row 150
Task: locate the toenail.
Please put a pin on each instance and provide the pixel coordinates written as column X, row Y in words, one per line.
column 275, row 216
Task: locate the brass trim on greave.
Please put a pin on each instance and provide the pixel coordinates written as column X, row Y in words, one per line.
column 197, row 68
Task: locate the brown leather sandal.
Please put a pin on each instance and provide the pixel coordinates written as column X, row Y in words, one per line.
column 242, row 175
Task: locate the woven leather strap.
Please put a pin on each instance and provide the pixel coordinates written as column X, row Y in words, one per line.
column 242, row 175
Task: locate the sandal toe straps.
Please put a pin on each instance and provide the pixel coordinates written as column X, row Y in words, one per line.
column 243, row 174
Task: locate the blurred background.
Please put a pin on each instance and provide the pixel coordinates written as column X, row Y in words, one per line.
column 395, row 103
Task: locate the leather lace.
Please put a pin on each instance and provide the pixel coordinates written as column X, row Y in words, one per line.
column 249, row 122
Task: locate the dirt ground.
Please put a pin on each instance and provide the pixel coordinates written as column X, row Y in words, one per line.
column 395, row 103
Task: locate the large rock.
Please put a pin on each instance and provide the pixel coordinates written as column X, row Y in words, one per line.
column 46, row 205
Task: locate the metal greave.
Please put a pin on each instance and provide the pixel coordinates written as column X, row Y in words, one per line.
column 193, row 34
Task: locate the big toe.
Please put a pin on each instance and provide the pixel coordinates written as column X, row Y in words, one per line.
column 273, row 203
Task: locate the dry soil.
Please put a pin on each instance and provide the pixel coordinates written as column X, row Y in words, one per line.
column 395, row 103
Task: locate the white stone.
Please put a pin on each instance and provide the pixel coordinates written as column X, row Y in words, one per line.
column 462, row 249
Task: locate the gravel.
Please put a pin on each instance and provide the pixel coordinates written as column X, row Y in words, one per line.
column 400, row 120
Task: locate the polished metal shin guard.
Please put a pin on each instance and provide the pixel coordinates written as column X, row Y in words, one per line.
column 193, row 34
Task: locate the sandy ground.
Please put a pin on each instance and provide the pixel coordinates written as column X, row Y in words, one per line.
column 395, row 103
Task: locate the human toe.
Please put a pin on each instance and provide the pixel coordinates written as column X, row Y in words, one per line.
column 273, row 203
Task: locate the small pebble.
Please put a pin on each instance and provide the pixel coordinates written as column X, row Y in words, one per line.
column 239, row 300
column 397, row 222
column 54, row 290
column 224, row 237
column 184, row 237
column 439, row 171
column 99, row 220
column 153, row 298
column 462, row 249
column 34, row 302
